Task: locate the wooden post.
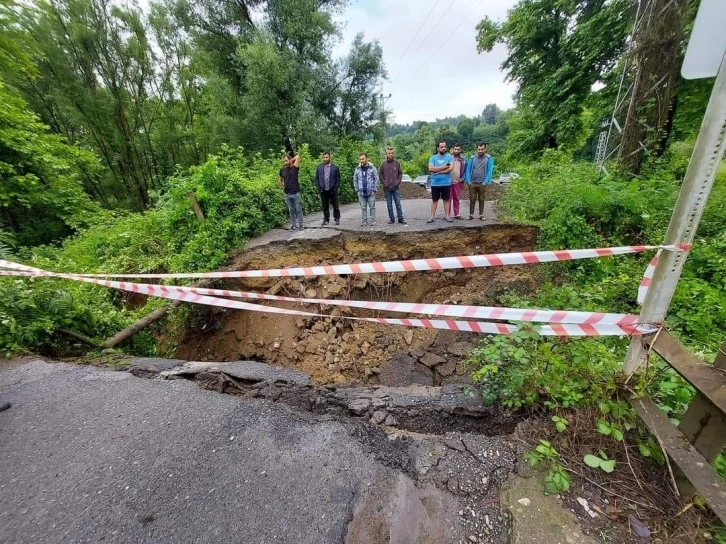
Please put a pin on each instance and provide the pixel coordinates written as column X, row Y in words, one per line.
column 703, row 423
column 195, row 205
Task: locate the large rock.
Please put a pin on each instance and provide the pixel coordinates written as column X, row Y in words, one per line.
column 446, row 369
column 432, row 359
column 402, row 370
column 460, row 349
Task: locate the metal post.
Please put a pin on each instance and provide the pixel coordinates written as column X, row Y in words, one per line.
column 706, row 158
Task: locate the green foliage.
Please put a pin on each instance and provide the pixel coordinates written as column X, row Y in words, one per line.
column 650, row 449
column 33, row 310
column 577, row 208
column 601, row 461
column 610, row 429
column 557, row 51
column 524, row 368
column 148, row 91
column 241, row 198
column 556, row 480
column 560, row 423
column 41, row 177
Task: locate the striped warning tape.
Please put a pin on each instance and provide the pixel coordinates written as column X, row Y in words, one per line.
column 647, row 278
column 447, row 310
column 587, row 323
column 442, row 263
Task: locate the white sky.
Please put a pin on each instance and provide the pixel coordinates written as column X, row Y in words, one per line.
column 441, row 74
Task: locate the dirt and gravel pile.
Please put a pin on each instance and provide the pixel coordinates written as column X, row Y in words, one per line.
column 334, row 350
column 412, row 190
column 408, row 191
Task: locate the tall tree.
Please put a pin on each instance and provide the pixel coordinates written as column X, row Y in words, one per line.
column 657, row 53
column 490, row 113
column 465, row 132
column 557, row 50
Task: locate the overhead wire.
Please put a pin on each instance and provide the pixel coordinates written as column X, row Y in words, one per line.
column 449, row 36
column 429, row 34
column 422, row 25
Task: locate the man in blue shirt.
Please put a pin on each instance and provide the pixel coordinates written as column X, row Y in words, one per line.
column 440, row 167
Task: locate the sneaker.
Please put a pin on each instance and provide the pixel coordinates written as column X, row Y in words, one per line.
column 458, row 217
column 293, row 227
column 337, row 221
column 402, row 221
column 373, row 223
column 448, row 219
column 391, row 222
column 301, row 227
column 470, row 218
column 324, row 223
column 4, row 406
column 430, row 220
column 364, row 223
column 482, row 218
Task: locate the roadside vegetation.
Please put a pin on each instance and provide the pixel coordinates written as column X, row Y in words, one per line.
column 576, row 386
column 112, row 115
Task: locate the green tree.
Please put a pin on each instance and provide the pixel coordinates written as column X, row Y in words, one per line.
column 557, row 50
column 446, row 133
column 41, row 192
column 465, row 133
column 490, row 114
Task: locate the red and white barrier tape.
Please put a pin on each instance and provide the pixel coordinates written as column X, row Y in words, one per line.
column 647, row 278
column 442, row 263
column 446, row 310
column 593, row 324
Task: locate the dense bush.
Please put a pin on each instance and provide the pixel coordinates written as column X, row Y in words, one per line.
column 577, row 207
column 241, row 198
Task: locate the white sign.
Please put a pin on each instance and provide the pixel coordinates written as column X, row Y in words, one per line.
column 707, row 45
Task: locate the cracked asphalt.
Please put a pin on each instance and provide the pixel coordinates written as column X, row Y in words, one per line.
column 93, row 455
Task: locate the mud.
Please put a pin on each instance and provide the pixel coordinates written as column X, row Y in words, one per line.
column 339, row 351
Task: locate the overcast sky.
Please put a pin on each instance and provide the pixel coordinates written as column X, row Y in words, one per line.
column 441, row 73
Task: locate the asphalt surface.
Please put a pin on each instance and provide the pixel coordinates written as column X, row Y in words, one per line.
column 415, row 211
column 90, row 455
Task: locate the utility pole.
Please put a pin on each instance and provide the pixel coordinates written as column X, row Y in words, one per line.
column 383, row 99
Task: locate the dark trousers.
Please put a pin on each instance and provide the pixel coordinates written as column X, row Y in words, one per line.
column 477, row 191
column 328, row 198
column 394, row 197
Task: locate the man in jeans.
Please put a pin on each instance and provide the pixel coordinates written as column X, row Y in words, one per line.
column 291, row 187
column 478, row 176
column 365, row 182
column 327, row 179
column 391, row 174
column 457, row 180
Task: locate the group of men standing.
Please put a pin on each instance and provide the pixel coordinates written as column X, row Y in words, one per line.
column 449, row 174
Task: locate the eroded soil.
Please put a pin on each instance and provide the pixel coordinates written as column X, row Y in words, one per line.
column 334, row 350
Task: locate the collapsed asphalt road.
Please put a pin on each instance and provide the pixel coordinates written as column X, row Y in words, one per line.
column 89, row 455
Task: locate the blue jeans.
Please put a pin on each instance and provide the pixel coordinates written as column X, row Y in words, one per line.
column 365, row 205
column 391, row 197
column 295, row 208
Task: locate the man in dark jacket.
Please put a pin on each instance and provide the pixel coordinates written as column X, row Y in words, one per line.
column 327, row 179
column 391, row 174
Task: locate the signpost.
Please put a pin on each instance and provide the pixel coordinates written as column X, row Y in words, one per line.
column 705, row 57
